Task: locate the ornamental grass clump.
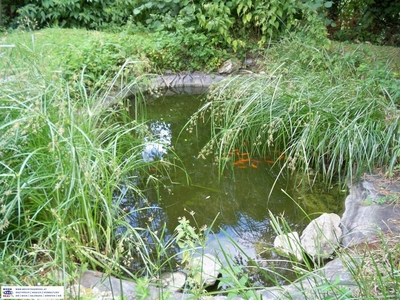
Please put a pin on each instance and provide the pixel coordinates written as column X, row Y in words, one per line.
column 310, row 120
column 64, row 158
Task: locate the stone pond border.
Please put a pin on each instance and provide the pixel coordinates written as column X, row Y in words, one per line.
column 195, row 83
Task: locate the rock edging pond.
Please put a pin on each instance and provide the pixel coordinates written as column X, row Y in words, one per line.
column 371, row 207
column 169, row 84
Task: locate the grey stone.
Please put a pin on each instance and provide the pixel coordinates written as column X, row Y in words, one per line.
column 228, row 67
column 289, row 244
column 173, row 281
column 248, row 62
column 206, row 269
column 316, row 285
column 321, row 283
column 78, row 291
column 191, row 83
column 196, row 80
column 103, row 285
column 321, row 237
column 365, row 214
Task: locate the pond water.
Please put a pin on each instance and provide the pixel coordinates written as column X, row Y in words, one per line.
column 238, row 203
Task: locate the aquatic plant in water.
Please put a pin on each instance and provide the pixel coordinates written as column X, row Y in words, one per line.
column 317, row 125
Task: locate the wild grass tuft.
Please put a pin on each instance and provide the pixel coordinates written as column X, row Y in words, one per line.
column 375, row 267
column 329, row 114
column 66, row 154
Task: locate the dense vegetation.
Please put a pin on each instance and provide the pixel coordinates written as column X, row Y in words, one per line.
column 65, row 152
column 327, row 112
column 224, row 22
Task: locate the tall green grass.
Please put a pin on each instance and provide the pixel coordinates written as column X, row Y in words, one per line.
column 315, row 112
column 65, row 153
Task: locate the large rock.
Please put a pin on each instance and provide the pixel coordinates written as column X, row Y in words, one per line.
column 289, row 244
column 204, row 269
column 103, row 286
column 228, row 67
column 190, row 80
column 100, row 283
column 321, row 237
column 172, row 281
column 370, row 209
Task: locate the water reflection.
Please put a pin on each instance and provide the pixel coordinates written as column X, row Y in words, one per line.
column 237, row 205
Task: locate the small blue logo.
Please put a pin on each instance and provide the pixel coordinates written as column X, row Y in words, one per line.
column 6, row 292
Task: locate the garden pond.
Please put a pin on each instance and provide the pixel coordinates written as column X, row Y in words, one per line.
column 236, row 205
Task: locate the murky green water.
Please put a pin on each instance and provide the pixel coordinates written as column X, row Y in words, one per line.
column 238, row 205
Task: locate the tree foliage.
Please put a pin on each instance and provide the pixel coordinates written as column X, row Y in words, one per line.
column 226, row 20
column 226, row 23
column 367, row 20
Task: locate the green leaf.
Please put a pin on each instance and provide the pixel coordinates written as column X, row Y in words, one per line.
column 189, row 9
column 239, row 8
column 248, row 17
column 328, row 4
column 243, row 280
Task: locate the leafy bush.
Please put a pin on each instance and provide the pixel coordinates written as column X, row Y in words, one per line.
column 91, row 14
column 373, row 21
column 226, row 22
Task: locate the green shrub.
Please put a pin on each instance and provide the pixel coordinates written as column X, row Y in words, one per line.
column 94, row 14
column 372, row 21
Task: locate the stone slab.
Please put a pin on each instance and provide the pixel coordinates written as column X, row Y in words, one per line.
column 366, row 212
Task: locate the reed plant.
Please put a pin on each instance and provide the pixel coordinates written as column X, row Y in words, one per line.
column 67, row 158
column 315, row 112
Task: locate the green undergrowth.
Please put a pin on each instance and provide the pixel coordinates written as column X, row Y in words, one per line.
column 96, row 57
column 101, row 53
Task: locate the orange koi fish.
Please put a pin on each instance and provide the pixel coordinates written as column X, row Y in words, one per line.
column 238, row 162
